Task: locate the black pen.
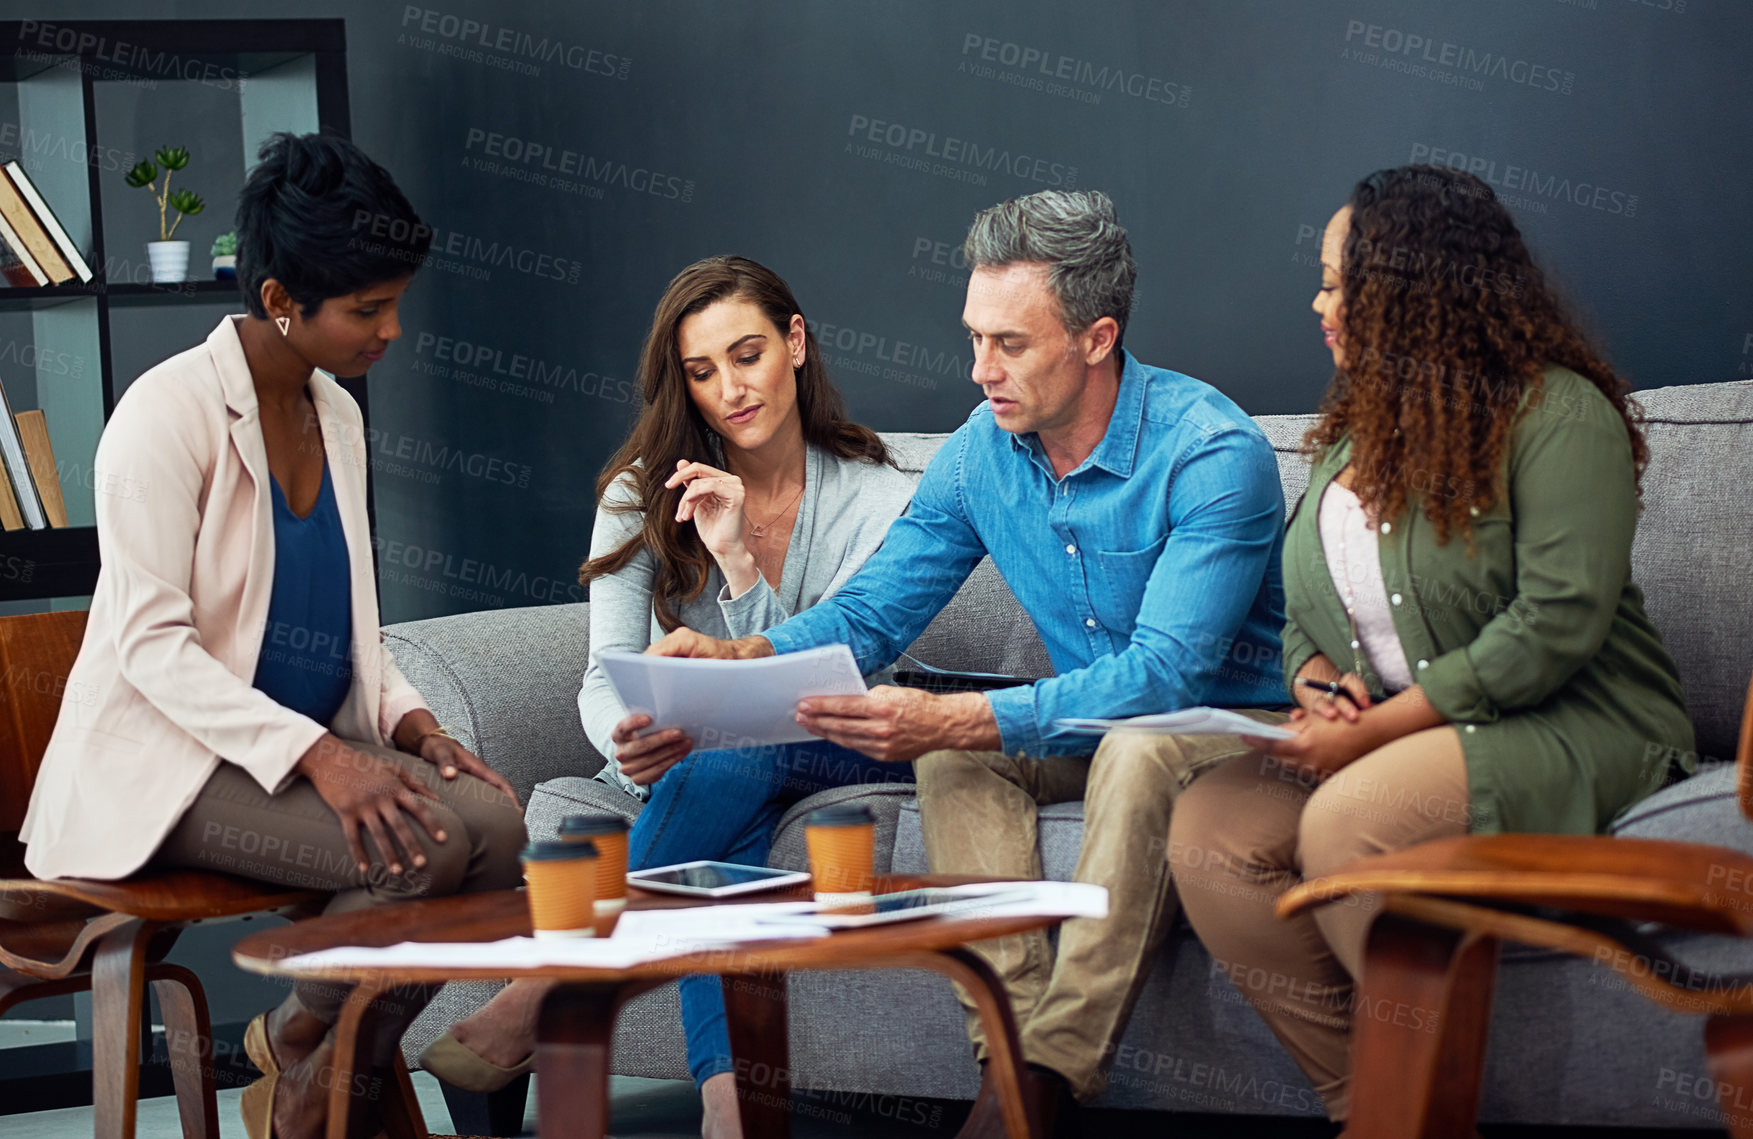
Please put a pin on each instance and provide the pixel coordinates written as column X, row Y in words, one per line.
column 1331, row 687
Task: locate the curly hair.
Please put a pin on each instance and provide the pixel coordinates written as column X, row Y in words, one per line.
column 1447, row 325
column 670, row 427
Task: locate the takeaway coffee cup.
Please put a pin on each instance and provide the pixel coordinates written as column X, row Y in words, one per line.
column 608, row 833
column 561, row 877
column 842, row 846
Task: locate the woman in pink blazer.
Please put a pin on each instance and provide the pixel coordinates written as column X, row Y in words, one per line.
column 232, row 707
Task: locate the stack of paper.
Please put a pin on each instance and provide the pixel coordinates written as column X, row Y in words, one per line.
column 731, row 703
column 1187, row 722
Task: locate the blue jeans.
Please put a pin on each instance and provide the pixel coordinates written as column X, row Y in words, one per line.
column 724, row 805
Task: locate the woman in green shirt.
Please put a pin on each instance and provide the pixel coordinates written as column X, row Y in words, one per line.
column 1463, row 638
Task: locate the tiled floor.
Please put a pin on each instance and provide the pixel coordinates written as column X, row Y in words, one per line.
column 668, row 1109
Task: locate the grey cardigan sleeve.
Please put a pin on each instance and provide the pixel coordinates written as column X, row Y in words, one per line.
column 620, row 616
column 757, row 610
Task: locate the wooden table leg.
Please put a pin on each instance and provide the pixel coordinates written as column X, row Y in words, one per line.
column 1419, row 1026
column 1004, row 1049
column 402, row 1117
column 756, row 1011
column 573, row 1038
column 346, row 1058
column 1728, row 1040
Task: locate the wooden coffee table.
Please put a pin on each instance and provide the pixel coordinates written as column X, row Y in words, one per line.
column 577, row 1024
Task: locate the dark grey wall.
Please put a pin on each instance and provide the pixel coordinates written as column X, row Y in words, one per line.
column 1227, row 130
column 849, row 144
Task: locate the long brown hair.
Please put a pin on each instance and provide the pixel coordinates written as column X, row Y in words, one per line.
column 670, row 427
column 1448, row 324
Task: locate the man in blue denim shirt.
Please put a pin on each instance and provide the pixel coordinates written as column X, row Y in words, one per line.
column 1136, row 515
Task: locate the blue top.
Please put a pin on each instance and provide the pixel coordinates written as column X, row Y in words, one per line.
column 1151, row 570
column 307, row 653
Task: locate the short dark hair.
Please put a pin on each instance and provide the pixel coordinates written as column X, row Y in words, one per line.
column 319, row 216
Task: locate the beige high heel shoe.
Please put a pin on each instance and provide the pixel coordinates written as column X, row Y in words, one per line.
column 455, row 1064
column 257, row 1105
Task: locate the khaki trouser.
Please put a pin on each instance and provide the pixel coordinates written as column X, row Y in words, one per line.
column 978, row 811
column 1250, row 830
column 294, row 839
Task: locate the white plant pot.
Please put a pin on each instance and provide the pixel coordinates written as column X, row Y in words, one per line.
column 225, row 261
column 170, row 261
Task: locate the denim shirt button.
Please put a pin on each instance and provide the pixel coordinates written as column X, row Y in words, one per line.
column 1071, row 550
column 1090, row 621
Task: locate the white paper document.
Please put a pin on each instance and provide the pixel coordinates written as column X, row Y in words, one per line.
column 731, row 703
column 640, row 936
column 1186, row 722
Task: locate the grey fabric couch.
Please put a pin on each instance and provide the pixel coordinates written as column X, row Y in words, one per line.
column 1570, row 1043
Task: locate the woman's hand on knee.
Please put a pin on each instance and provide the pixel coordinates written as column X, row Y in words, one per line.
column 371, row 794
column 645, row 758
column 453, row 759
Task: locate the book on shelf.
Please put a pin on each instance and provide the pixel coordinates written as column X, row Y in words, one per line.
column 16, row 263
column 30, row 506
column 46, row 217
column 39, row 455
column 10, row 518
column 35, row 236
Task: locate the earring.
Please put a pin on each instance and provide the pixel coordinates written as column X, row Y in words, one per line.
column 284, row 322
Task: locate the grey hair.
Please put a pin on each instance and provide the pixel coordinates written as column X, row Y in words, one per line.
column 1076, row 234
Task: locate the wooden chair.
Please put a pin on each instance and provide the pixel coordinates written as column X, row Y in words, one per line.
column 67, row 935
column 1446, row 905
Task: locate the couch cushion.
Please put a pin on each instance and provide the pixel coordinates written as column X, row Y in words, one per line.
column 884, row 799
column 1694, row 545
column 505, row 681
column 554, row 799
column 1702, row 809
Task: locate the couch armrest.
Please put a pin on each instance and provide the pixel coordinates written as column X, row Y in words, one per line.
column 505, row 681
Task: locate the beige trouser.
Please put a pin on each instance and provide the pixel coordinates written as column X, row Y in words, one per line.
column 1250, row 830
column 295, row 839
column 978, row 812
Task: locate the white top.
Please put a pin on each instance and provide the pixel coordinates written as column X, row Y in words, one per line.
column 845, row 512
column 1353, row 559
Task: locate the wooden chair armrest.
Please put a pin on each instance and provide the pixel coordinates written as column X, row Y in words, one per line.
column 1689, row 885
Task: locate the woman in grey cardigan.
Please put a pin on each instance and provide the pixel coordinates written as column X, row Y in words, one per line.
column 743, row 495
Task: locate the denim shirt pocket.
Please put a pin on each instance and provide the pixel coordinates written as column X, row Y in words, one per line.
column 1119, row 591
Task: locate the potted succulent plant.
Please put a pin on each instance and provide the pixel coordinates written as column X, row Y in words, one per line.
column 170, row 259
column 225, row 256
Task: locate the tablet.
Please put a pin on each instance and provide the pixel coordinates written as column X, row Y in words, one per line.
column 708, row 879
column 945, row 682
column 907, row 905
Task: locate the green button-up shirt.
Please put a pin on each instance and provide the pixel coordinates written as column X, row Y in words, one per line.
column 1533, row 643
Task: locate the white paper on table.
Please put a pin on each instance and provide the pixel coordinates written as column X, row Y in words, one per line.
column 1186, row 722
column 699, row 928
column 1011, row 899
column 731, row 703
column 1047, row 899
column 513, row 954
column 640, row 936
